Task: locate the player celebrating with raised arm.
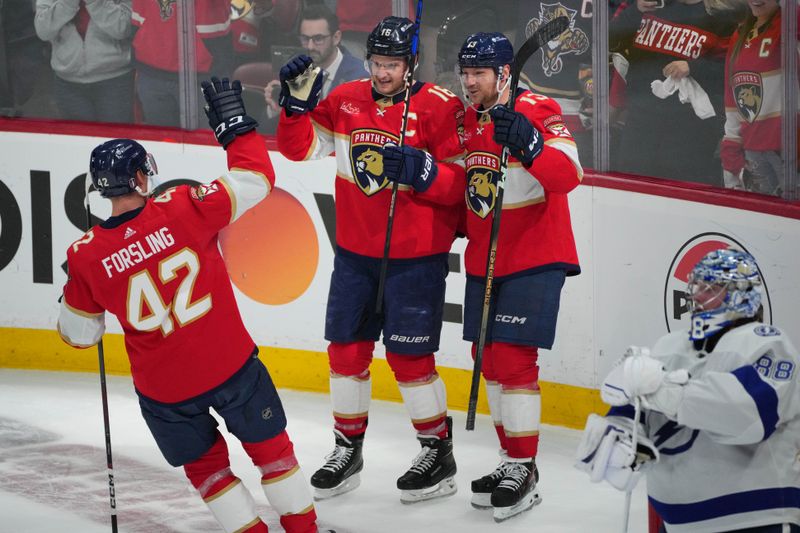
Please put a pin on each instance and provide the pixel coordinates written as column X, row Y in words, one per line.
column 718, row 432
column 156, row 265
column 360, row 121
column 535, row 252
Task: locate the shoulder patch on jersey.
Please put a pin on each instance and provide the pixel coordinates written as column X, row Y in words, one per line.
column 201, row 191
column 766, row 331
column 555, row 124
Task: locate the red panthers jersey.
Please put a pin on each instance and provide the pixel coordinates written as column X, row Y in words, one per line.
column 161, row 274
column 156, row 40
column 355, row 122
column 535, row 229
column 753, row 96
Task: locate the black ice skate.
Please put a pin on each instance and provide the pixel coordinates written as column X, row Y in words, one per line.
column 482, row 488
column 339, row 474
column 516, row 492
column 431, row 473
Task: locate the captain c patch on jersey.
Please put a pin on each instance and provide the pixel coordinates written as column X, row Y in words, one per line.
column 366, row 158
column 483, row 171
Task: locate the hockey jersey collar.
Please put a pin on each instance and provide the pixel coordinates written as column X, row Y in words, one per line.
column 118, row 220
column 396, row 99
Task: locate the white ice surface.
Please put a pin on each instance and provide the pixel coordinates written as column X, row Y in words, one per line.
column 53, row 475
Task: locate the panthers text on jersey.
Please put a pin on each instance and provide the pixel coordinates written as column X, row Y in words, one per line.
column 354, row 121
column 535, row 230
column 161, row 274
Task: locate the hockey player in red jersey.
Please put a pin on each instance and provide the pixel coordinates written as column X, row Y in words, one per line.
column 535, row 252
column 155, row 264
column 360, row 121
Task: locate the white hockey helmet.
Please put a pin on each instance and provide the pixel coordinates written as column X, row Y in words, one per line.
column 724, row 286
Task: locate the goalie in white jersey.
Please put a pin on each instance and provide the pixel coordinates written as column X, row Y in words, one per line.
column 719, row 437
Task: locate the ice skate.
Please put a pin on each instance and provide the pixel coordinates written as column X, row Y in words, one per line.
column 516, row 492
column 482, row 488
column 340, row 473
column 431, row 473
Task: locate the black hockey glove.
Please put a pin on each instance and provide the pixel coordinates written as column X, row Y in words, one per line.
column 409, row 166
column 514, row 130
column 225, row 110
column 301, row 85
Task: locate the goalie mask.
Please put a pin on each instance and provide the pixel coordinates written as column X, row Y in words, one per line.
column 113, row 166
column 724, row 286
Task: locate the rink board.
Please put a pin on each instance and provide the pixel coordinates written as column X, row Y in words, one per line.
column 633, row 248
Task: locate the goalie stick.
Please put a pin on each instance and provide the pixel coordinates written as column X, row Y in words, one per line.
column 395, row 185
column 104, row 393
column 541, row 37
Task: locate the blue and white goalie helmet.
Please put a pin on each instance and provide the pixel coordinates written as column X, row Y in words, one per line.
column 113, row 166
column 724, row 286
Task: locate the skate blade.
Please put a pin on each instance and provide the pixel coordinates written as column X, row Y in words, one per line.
column 446, row 487
column 347, row 485
column 481, row 500
column 501, row 514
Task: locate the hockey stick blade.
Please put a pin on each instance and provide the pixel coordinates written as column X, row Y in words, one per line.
column 540, row 37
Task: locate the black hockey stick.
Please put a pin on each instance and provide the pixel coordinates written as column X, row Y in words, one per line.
column 104, row 394
column 395, row 185
column 541, row 37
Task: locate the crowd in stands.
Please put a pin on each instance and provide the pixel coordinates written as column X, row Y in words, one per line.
column 695, row 93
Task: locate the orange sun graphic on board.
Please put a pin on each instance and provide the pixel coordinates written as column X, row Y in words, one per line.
column 271, row 252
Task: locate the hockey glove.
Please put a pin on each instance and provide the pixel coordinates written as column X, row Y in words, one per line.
column 301, row 85
column 514, row 130
column 606, row 452
column 638, row 374
column 409, row 166
column 225, row 110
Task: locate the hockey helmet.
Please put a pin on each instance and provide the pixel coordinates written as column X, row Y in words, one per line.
column 113, row 166
column 486, row 50
column 724, row 286
column 393, row 37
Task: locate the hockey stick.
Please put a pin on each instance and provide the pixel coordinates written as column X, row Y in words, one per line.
column 104, row 393
column 637, row 403
column 541, row 37
column 395, row 185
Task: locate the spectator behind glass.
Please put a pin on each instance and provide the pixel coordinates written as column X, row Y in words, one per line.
column 679, row 47
column 320, row 35
column 156, row 50
column 23, row 59
column 751, row 148
column 91, row 57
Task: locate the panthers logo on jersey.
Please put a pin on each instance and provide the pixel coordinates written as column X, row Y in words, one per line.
column 366, row 159
column 748, row 89
column 166, row 8
column 483, row 171
column 573, row 41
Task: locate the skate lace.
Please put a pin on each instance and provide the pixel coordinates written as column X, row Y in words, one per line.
column 337, row 459
column 424, row 460
column 515, row 476
column 500, row 471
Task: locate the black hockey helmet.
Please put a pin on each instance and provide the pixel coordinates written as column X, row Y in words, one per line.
column 113, row 166
column 486, row 50
column 393, row 37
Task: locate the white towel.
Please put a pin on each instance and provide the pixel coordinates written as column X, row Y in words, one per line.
column 688, row 91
